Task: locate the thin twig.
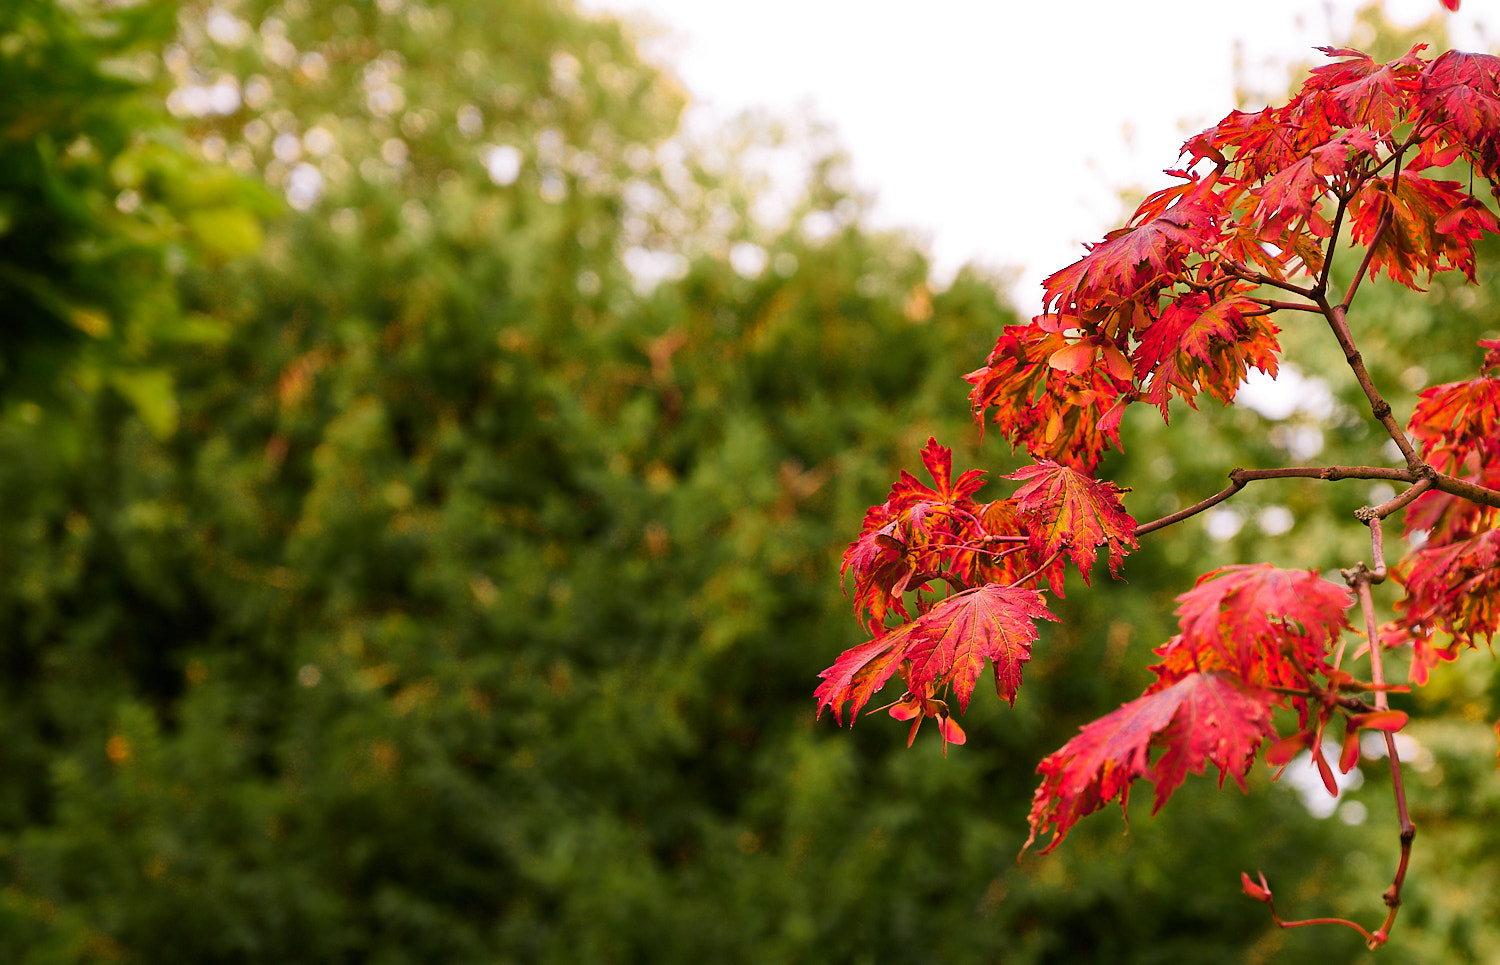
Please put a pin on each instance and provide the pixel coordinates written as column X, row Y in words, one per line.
column 1364, row 265
column 1369, row 938
column 1333, row 241
column 1274, row 305
column 1372, row 516
column 1192, row 510
column 1039, row 570
column 1261, row 278
column 1359, row 579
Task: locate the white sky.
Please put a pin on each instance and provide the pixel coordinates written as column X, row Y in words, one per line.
column 1003, row 131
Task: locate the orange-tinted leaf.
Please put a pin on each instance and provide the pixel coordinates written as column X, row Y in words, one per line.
column 1453, row 419
column 1202, row 345
column 1069, row 416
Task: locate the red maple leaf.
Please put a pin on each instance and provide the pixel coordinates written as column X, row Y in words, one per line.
column 1456, row 419
column 1432, row 226
column 1461, row 93
column 920, row 533
column 1365, row 93
column 1266, row 625
column 945, row 647
column 1453, row 588
column 1202, row 719
column 1071, row 513
column 1157, row 244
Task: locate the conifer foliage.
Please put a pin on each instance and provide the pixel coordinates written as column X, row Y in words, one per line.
column 1179, row 303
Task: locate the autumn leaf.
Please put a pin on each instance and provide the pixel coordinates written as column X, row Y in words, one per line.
column 919, row 534
column 860, row 672
column 1235, row 604
column 1205, row 718
column 1072, row 513
column 1054, row 411
column 1365, row 93
column 995, row 623
column 1461, row 93
column 1453, row 419
column 1452, row 588
column 1137, row 254
column 945, row 647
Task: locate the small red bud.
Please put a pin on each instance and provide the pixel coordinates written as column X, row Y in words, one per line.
column 1260, row 892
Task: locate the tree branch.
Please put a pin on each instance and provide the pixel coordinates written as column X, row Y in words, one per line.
column 1464, row 489
column 1239, row 477
column 1337, row 320
column 1273, row 305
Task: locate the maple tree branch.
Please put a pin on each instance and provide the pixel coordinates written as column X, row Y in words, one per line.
column 1372, row 517
column 1239, row 477
column 1273, row 305
column 1338, row 321
column 1192, row 510
column 1327, row 473
column 1261, row 278
column 1464, row 489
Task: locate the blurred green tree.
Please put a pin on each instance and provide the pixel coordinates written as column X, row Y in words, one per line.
column 470, row 612
column 101, row 207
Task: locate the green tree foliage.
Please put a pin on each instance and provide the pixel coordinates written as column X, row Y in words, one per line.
column 100, row 206
column 470, row 611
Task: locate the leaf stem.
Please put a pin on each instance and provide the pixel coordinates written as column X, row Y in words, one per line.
column 1369, row 938
column 1039, row 570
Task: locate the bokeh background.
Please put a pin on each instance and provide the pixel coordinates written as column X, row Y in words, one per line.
column 424, row 469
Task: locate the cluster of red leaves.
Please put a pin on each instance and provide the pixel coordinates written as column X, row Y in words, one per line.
column 1243, row 631
column 990, row 558
column 1167, row 304
column 1452, row 579
column 1174, row 304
